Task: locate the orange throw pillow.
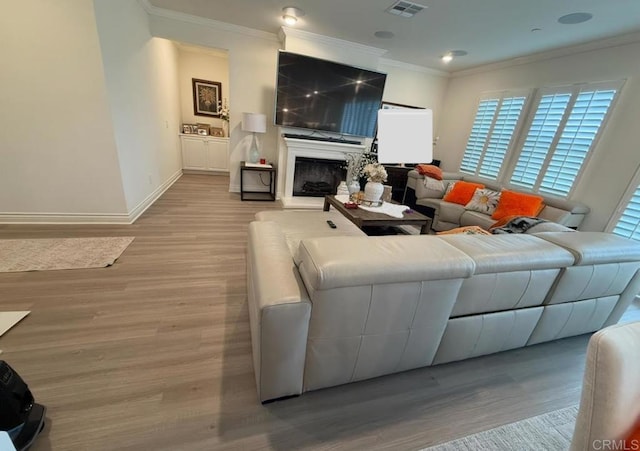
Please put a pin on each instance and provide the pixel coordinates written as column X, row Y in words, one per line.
column 462, row 192
column 430, row 171
column 512, row 203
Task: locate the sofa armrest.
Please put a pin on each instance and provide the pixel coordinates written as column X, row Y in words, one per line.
column 279, row 312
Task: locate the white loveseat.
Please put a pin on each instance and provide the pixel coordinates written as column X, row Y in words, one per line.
column 333, row 306
column 447, row 215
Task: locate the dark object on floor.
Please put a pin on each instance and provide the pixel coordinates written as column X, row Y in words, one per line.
column 20, row 416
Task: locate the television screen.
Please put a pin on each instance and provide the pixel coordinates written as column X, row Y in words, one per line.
column 322, row 95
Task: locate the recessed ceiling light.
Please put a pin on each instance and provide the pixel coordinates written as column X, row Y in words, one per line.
column 290, row 14
column 383, row 34
column 533, row 30
column 575, row 18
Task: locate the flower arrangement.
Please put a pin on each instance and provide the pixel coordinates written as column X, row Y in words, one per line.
column 356, row 162
column 224, row 110
column 375, row 172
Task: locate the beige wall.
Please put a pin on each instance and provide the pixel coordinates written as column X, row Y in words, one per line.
column 205, row 64
column 615, row 157
column 57, row 148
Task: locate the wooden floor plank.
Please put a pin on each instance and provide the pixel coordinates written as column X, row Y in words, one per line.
column 154, row 352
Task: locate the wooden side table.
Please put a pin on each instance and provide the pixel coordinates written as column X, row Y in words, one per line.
column 258, row 195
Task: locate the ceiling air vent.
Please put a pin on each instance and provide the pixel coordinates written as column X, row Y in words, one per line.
column 405, row 9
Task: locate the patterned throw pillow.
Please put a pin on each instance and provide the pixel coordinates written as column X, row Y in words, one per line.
column 484, row 200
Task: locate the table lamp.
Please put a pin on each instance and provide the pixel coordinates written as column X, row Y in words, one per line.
column 254, row 123
column 405, row 136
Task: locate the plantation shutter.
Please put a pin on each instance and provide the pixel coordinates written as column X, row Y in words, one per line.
column 563, row 129
column 478, row 137
column 496, row 120
column 629, row 223
column 539, row 139
column 577, row 136
column 501, row 135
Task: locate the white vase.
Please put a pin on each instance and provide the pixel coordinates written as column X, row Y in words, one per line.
column 373, row 191
column 342, row 189
column 225, row 128
column 354, row 186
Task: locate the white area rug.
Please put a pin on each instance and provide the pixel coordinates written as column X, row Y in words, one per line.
column 550, row 432
column 8, row 320
column 60, row 253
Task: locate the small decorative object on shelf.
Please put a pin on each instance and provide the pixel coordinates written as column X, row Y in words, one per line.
column 354, row 186
column 342, row 189
column 224, row 116
column 376, row 174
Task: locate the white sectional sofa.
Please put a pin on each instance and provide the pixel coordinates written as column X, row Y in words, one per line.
column 447, row 215
column 333, row 306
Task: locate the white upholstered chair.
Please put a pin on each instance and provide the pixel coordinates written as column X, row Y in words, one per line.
column 610, row 401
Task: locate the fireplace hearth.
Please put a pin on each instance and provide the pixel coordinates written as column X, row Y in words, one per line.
column 316, row 177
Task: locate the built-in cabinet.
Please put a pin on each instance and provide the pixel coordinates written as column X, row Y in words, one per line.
column 205, row 153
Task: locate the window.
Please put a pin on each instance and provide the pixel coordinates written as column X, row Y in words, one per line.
column 628, row 224
column 545, row 149
column 562, row 131
column 493, row 128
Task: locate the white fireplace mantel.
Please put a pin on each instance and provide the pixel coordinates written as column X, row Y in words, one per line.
column 293, row 148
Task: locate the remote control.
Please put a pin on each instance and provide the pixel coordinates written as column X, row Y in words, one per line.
column 332, row 225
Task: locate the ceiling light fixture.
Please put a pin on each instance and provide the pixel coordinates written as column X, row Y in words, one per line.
column 447, row 57
column 291, row 14
column 383, row 34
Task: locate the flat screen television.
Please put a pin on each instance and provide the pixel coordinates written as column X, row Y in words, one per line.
column 322, row 95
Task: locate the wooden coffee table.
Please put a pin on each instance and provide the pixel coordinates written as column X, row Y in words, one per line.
column 363, row 218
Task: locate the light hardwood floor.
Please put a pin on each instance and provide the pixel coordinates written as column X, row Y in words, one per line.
column 154, row 352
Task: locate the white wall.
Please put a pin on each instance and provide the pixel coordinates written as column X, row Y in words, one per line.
column 57, row 148
column 212, row 65
column 616, row 156
column 415, row 86
column 142, row 82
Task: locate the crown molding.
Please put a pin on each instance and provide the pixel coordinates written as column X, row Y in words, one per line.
column 318, row 38
column 209, row 51
column 211, row 23
column 615, row 41
column 414, row 67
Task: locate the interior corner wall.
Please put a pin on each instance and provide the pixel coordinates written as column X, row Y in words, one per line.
column 615, row 157
column 205, row 66
column 252, row 76
column 56, row 138
column 142, row 82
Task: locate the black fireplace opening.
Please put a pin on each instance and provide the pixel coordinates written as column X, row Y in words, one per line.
column 316, row 177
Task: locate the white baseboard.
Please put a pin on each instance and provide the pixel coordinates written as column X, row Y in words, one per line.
column 151, row 198
column 90, row 218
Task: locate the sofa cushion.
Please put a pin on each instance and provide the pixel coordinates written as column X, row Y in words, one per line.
column 450, row 212
column 484, row 201
column 515, row 203
column 595, row 247
column 462, row 192
column 497, row 253
column 354, row 261
column 297, row 225
column 475, row 218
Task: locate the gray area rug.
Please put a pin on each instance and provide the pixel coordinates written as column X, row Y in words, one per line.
column 547, row 432
column 60, row 253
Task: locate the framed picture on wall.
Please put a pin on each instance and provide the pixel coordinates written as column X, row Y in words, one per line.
column 207, row 97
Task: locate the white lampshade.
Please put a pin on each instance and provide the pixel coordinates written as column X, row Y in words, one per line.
column 405, row 136
column 254, row 122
